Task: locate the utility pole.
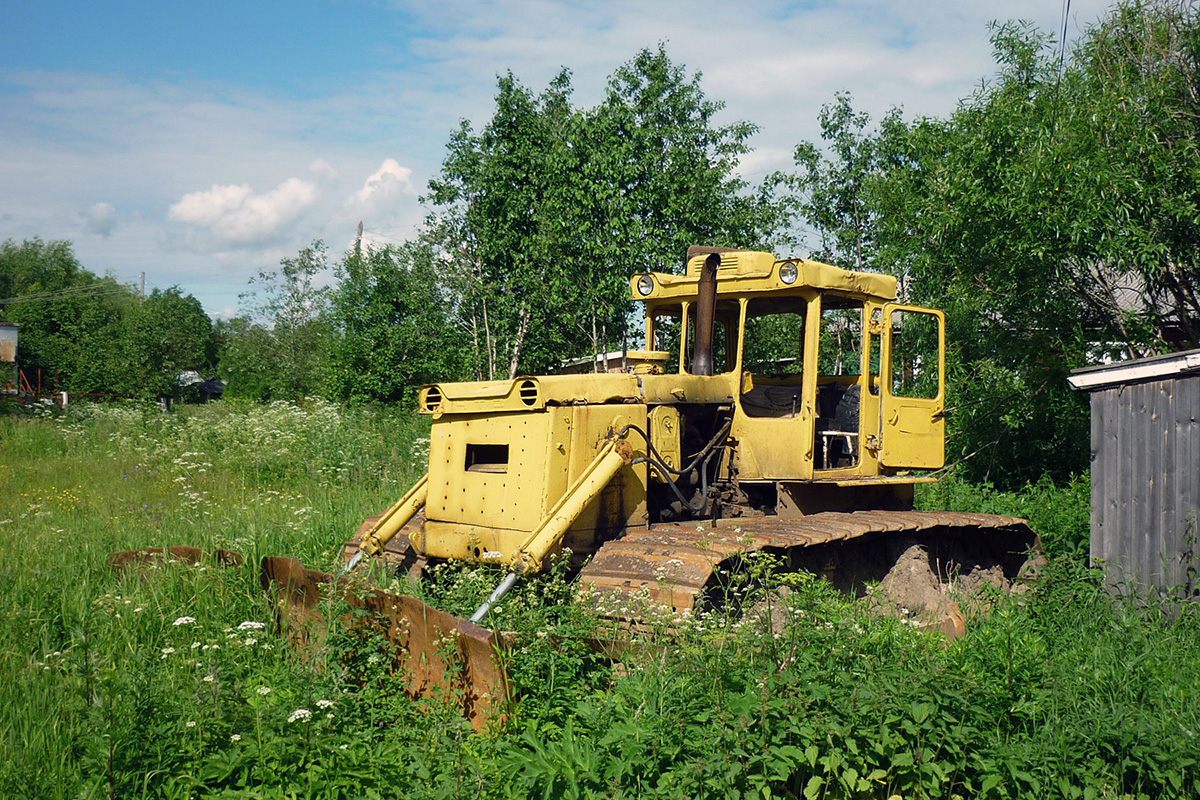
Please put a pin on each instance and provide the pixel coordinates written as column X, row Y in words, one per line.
column 143, row 285
column 358, row 241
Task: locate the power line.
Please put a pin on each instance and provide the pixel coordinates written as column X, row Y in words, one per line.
column 69, row 293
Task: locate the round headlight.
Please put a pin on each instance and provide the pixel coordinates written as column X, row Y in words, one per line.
column 645, row 285
column 788, row 272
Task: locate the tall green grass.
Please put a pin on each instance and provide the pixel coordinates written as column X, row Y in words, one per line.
column 163, row 685
column 1059, row 513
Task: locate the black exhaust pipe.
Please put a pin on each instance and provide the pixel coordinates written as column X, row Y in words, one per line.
column 706, row 315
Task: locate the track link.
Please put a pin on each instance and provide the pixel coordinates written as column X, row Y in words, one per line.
column 676, row 564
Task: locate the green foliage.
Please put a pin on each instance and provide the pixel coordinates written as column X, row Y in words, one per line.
column 1053, row 216
column 280, row 352
column 1060, row 692
column 549, row 208
column 834, row 183
column 244, row 358
column 838, row 704
column 164, row 335
column 394, row 331
column 92, row 334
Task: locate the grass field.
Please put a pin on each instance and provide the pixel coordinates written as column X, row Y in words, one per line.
column 169, row 685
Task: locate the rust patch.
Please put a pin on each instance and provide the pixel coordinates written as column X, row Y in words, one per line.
column 397, row 553
column 675, row 564
column 192, row 556
column 438, row 653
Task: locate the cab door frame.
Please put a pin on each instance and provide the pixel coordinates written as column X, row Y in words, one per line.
column 912, row 430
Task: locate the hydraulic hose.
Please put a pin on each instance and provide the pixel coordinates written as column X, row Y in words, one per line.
column 702, row 458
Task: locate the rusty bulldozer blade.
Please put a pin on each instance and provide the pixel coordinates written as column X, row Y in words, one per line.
column 438, row 653
column 191, row 556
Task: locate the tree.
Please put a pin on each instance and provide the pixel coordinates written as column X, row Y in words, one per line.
column 550, row 208
column 1126, row 194
column 833, row 183
column 165, row 335
column 1055, row 215
column 245, row 353
column 955, row 209
column 495, row 188
column 37, row 267
column 391, row 317
column 71, row 320
column 281, row 350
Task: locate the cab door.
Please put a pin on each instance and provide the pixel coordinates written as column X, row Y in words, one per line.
column 913, row 396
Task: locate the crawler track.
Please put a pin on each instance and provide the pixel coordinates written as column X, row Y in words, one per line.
column 676, row 564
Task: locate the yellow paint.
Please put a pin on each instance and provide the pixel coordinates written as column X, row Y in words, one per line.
column 396, row 517
column 913, row 428
column 665, row 433
column 758, row 272
column 590, row 484
column 519, row 468
column 488, row 515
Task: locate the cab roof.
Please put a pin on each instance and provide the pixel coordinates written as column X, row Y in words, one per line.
column 751, row 271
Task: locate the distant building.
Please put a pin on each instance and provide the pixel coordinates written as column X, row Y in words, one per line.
column 616, row 361
column 604, row 362
column 1145, row 529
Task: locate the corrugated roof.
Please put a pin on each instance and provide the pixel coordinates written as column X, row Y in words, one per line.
column 1135, row 370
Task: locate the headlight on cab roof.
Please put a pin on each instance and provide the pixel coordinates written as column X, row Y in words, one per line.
column 788, row 272
column 645, row 285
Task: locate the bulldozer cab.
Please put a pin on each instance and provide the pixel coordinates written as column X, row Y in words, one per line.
column 830, row 379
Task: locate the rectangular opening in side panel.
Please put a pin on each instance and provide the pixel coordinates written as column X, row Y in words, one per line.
column 487, row 458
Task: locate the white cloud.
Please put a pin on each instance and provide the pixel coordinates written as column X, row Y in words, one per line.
column 100, row 219
column 146, row 143
column 323, row 169
column 385, row 183
column 234, row 215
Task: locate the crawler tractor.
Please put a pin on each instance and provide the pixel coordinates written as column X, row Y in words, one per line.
column 779, row 405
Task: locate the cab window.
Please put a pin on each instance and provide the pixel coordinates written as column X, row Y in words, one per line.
column 773, row 356
column 915, row 349
column 664, row 333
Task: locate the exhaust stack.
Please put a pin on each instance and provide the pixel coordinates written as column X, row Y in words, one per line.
column 706, row 312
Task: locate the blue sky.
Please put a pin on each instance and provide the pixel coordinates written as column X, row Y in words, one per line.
column 202, row 142
column 296, row 49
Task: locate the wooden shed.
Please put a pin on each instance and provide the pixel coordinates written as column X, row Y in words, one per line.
column 1146, row 471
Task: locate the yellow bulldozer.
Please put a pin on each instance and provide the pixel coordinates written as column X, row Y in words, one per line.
column 779, row 405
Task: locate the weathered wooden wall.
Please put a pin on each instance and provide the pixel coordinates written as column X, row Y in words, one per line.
column 1146, row 482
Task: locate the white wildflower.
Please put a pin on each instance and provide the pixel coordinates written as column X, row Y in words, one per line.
column 195, row 645
column 300, row 715
column 191, row 723
column 323, row 704
column 208, row 679
column 166, row 651
column 235, row 737
column 184, row 621
column 248, row 625
column 264, row 690
column 250, row 641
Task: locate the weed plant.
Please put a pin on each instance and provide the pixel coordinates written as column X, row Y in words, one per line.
column 170, row 684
